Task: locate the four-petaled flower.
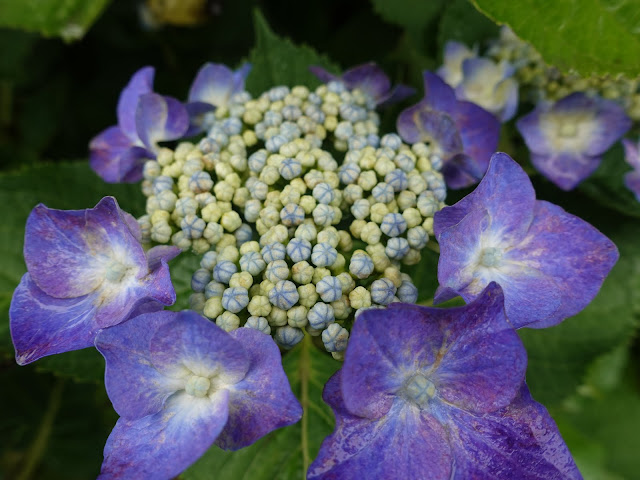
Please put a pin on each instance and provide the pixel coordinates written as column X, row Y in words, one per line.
column 118, row 153
column 434, row 394
column 86, row 270
column 179, row 384
column 567, row 138
column 460, row 133
column 370, row 79
column 549, row 263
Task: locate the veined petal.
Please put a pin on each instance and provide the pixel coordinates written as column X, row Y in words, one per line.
column 134, row 386
column 140, row 84
column 395, row 95
column 631, row 153
column 42, row 325
column 216, row 83
column 438, row 95
column 160, row 118
column 162, row 445
column 567, row 169
column 263, row 400
column 115, row 159
column 419, row 123
column 406, row 443
column 369, row 78
column 632, row 182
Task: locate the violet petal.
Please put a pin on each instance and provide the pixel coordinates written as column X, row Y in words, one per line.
column 160, row 118
column 141, row 83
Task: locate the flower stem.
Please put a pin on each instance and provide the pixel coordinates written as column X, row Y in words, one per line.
column 39, row 445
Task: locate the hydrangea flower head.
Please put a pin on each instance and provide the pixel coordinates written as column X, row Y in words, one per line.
column 145, row 118
column 86, row 270
column 549, row 263
column 436, row 394
column 370, row 79
column 180, row 384
column 567, row 138
column 460, row 133
column 632, row 157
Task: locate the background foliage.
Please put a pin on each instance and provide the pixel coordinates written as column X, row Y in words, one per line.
column 55, row 95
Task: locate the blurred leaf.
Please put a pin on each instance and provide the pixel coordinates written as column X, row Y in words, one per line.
column 277, row 61
column 85, row 365
column 590, row 36
column 414, row 15
column 280, row 454
column 182, row 269
column 463, row 23
column 69, row 19
column 425, row 275
column 64, row 186
column 606, row 185
column 560, row 356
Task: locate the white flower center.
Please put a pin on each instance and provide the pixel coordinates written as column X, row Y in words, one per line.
column 419, row 389
column 491, row 257
column 197, row 386
column 115, row 271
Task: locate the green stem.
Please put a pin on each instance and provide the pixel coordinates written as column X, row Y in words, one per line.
column 304, row 369
column 39, row 445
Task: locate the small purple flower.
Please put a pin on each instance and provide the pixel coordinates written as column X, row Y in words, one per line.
column 180, row 384
column 438, row 394
column 567, row 138
column 117, row 154
column 455, row 53
column 550, row 264
column 369, row 78
column 86, row 271
column 212, row 88
column 460, row 133
column 632, row 156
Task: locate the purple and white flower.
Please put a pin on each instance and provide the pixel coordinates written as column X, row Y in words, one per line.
column 567, row 138
column 438, row 394
column 181, row 384
column 370, row 79
column 632, row 157
column 145, row 118
column 455, row 53
column 87, row 270
column 549, row 263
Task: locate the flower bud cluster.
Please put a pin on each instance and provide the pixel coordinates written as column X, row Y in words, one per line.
column 292, row 239
column 546, row 82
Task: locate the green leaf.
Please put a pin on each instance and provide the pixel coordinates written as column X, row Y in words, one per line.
column 277, row 61
column 606, row 185
column 69, row 19
column 64, row 186
column 287, row 452
column 425, row 275
column 414, row 15
column 589, row 36
column 560, row 356
column 182, row 268
column 463, row 23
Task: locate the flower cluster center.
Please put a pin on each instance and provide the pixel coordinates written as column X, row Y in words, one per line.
column 419, row 390
column 491, row 257
column 115, row 271
column 198, row 386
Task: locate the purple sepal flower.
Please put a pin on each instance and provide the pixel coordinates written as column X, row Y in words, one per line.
column 632, row 157
column 212, row 88
column 567, row 138
column 435, row 394
column 369, row 78
column 549, row 263
column 117, row 154
column 86, row 270
column 461, row 133
column 180, row 384
column 455, row 53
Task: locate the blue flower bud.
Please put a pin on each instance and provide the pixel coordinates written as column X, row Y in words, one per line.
column 272, row 119
column 223, row 270
column 298, row 249
column 243, row 234
column 323, row 193
column 320, row 315
column 186, row 206
column 278, row 93
column 276, row 271
column 258, row 323
column 397, row 179
column 193, row 226
column 404, row 162
column 274, row 143
column 235, row 299
column 291, row 112
column 315, row 114
column 417, row 237
column 408, row 292
column 162, row 183
column 397, row 248
column 232, row 126
column 284, row 295
column 253, row 263
column 290, row 168
column 383, row 193
column 391, row 140
column 273, row 252
column 353, row 113
column 292, row 215
column 357, row 142
column 329, row 289
column 257, row 161
column 361, row 265
column 335, row 338
column 214, row 289
column 336, row 86
column 287, row 337
column 290, row 131
column 200, row 279
column 382, row 291
column 348, row 173
column 200, row 182
column 361, row 209
column 373, row 140
column 324, row 255
column 393, row 224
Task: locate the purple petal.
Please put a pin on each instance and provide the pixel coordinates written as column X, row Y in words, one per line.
column 135, row 387
column 421, row 124
column 216, row 83
column 195, row 343
column 612, row 124
column 196, row 111
column 631, row 153
column 530, row 127
column 566, row 170
column 42, row 325
column 395, row 95
column 140, row 84
column 369, row 78
column 510, row 106
column 160, row 118
column 263, row 400
column 406, row 443
column 461, row 171
column 632, row 182
column 575, row 255
column 161, row 446
column 161, row 253
column 323, row 75
column 116, row 161
column 520, row 441
column 438, row 95
column 454, row 54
